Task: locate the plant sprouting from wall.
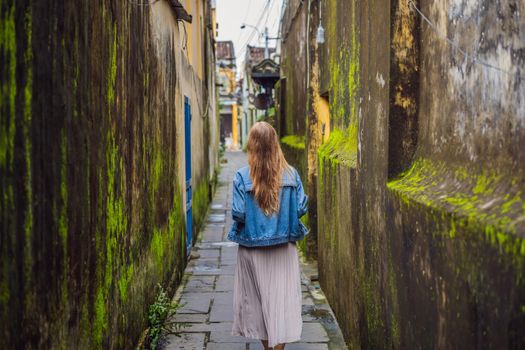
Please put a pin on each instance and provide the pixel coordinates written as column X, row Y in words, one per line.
column 161, row 320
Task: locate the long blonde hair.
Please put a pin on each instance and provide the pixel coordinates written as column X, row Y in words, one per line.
column 267, row 164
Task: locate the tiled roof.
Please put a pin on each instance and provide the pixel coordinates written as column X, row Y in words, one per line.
column 224, row 50
column 255, row 54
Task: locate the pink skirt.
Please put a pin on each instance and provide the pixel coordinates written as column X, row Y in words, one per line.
column 267, row 298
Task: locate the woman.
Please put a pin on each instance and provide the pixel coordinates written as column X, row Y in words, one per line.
column 268, row 200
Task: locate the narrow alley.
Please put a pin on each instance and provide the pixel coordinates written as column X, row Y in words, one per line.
column 122, row 123
column 206, row 288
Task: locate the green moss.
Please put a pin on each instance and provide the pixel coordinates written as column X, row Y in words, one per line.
column 470, row 197
column 86, row 335
column 101, row 319
column 163, row 239
column 62, row 220
column 76, row 69
column 116, row 220
column 329, row 197
column 304, row 219
column 483, row 184
column 341, row 147
column 200, row 203
column 343, row 68
column 62, row 217
column 111, row 206
column 302, row 243
column 156, row 175
column 123, row 282
column 157, row 247
column 372, row 307
column 452, row 231
column 182, row 241
column 76, row 73
column 8, row 88
column 516, row 201
column 112, row 76
column 110, row 256
column 334, row 201
column 26, row 131
column 294, row 141
column 394, row 315
column 176, row 218
column 4, row 287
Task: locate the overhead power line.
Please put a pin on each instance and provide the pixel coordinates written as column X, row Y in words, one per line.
column 254, row 31
column 244, row 19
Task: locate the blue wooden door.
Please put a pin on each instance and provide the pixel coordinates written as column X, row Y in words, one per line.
column 187, row 151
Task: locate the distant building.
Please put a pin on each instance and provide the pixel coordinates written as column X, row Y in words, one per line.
column 250, row 114
column 226, row 80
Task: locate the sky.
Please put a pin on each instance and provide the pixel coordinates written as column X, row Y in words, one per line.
column 231, row 14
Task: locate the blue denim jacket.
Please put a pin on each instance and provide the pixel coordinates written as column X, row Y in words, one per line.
column 252, row 228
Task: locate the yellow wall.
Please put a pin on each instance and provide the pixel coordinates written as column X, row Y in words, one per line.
column 214, row 22
column 322, row 110
column 235, row 130
column 195, row 34
column 229, row 73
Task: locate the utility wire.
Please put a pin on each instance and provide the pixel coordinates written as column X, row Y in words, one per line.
column 268, row 13
column 281, row 16
column 245, row 17
column 244, row 46
column 142, row 3
column 250, row 37
column 472, row 58
column 275, row 21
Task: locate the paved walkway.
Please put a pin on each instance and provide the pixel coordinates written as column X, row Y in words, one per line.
column 206, row 290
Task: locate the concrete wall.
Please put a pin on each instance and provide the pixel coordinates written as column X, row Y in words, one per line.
column 294, row 48
column 92, row 165
column 420, row 203
column 291, row 117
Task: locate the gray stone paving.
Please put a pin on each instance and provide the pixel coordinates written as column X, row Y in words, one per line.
column 207, row 287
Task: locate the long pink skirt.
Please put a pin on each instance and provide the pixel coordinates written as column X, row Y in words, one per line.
column 267, row 294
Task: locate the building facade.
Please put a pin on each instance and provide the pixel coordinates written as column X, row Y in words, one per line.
column 227, row 80
column 109, row 142
column 411, row 137
column 249, row 89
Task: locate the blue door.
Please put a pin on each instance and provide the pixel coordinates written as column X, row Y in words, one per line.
column 187, row 148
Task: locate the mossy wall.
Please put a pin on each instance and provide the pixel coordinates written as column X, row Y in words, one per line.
column 294, row 149
column 292, row 119
column 91, row 169
column 293, row 68
column 419, row 186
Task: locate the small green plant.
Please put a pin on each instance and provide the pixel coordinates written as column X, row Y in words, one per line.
column 160, row 320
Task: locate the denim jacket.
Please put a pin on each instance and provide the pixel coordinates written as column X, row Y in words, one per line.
column 252, row 228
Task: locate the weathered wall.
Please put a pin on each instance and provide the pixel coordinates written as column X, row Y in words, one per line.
column 457, row 215
column 352, row 169
column 293, row 68
column 419, row 190
column 292, row 116
column 294, row 148
column 91, row 167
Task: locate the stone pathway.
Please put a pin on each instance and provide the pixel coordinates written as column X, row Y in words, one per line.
column 206, row 289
